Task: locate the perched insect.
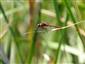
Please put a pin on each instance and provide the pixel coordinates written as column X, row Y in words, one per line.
column 46, row 26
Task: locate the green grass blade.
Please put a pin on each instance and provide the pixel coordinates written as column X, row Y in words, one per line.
column 67, row 4
column 12, row 32
column 32, row 50
column 60, row 23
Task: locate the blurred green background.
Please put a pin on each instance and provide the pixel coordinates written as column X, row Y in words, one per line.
column 24, row 39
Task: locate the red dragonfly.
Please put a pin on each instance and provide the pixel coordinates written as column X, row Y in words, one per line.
column 49, row 27
column 45, row 25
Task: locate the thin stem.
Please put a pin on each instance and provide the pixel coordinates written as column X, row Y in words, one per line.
column 74, row 20
column 32, row 50
column 11, row 30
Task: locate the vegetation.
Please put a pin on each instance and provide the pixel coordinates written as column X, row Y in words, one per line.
column 42, row 32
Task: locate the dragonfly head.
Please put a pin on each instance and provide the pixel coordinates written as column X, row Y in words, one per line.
column 43, row 25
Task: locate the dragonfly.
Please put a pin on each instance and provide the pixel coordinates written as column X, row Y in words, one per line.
column 45, row 26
